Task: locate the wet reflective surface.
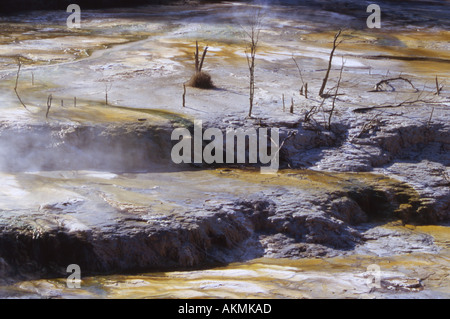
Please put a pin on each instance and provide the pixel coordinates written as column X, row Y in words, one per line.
column 413, row 275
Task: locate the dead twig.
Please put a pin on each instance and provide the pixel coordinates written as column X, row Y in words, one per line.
column 107, row 89
column 198, row 62
column 304, row 85
column 325, row 79
column 49, row 104
column 196, row 57
column 335, row 95
column 184, row 95
column 431, row 116
column 309, row 114
column 439, row 87
column 299, row 70
column 290, row 134
column 378, row 86
column 409, row 102
column 203, row 59
column 17, row 83
column 404, row 103
column 373, row 123
column 314, row 109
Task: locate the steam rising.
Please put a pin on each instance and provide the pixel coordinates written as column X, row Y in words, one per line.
column 38, row 148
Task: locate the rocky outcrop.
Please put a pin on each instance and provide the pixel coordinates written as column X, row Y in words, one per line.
column 413, row 150
column 301, row 213
column 103, row 235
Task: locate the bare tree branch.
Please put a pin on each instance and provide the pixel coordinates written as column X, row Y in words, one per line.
column 325, row 79
column 431, row 116
column 439, row 87
column 196, row 57
column 335, row 94
column 203, row 59
column 387, row 81
column 107, row 89
column 404, row 103
column 371, row 124
column 17, row 82
column 253, row 35
column 49, row 104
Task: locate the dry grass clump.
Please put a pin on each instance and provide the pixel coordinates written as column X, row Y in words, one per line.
column 201, row 80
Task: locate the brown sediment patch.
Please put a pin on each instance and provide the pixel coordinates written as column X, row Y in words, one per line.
column 309, row 178
column 425, row 53
column 440, row 233
column 88, row 111
column 55, row 44
column 379, row 196
column 223, row 52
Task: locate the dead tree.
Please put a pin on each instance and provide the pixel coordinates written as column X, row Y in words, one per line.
column 253, row 39
column 198, row 62
column 325, row 79
column 107, row 89
column 335, row 95
column 200, row 79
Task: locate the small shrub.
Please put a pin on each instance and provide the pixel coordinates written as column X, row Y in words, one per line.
column 201, row 80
